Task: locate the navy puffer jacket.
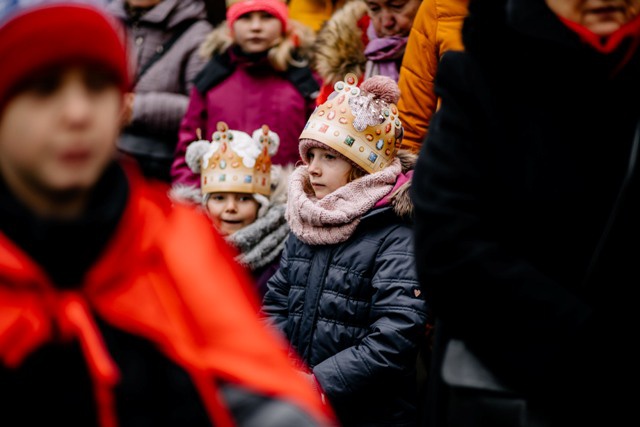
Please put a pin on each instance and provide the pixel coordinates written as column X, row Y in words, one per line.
column 355, row 314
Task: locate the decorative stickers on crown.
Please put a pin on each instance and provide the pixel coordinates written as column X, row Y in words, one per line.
column 361, row 125
column 263, row 162
column 237, row 162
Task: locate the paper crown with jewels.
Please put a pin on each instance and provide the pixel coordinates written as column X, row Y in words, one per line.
column 362, row 123
column 234, row 162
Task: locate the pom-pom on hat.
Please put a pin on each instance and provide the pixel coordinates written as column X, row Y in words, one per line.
column 234, row 162
column 36, row 35
column 277, row 8
column 361, row 123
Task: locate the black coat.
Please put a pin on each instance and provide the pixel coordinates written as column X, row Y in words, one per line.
column 354, row 313
column 512, row 190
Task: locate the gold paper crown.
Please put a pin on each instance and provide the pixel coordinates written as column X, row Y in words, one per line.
column 225, row 170
column 364, row 129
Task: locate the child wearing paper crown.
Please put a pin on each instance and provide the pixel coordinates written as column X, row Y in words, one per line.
column 346, row 294
column 258, row 73
column 108, row 314
column 244, row 195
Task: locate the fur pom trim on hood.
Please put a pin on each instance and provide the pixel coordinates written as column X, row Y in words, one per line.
column 339, row 48
column 298, row 36
column 401, row 200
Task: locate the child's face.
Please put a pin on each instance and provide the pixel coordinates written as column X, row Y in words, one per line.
column 256, row 32
column 601, row 17
column 231, row 212
column 392, row 17
column 57, row 134
column 327, row 171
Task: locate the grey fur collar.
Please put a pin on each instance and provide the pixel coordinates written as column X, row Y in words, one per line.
column 262, row 241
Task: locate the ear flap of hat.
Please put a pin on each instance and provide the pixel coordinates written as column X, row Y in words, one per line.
column 273, row 140
column 195, row 151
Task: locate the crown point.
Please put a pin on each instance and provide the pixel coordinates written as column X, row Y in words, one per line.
column 351, row 79
column 222, row 127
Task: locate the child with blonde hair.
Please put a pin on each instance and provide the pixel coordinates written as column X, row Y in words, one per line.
column 108, row 311
column 243, row 195
column 346, row 295
column 258, row 74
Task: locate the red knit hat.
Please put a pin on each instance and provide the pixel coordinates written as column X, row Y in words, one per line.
column 33, row 39
column 277, row 8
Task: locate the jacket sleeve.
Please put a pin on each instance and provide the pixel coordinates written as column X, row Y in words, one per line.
column 398, row 317
column 436, row 29
column 195, row 118
column 275, row 305
column 161, row 112
column 512, row 315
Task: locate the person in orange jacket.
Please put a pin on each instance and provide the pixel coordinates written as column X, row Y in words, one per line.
column 116, row 308
column 313, row 13
column 435, row 30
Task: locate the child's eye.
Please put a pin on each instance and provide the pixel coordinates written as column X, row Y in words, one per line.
column 245, row 198
column 310, row 156
column 373, row 8
column 98, row 80
column 329, row 156
column 45, row 85
column 218, row 198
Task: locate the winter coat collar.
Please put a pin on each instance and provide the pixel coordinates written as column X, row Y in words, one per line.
column 334, row 218
column 340, row 44
column 261, row 242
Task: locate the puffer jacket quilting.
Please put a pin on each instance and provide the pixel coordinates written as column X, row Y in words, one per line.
column 363, row 291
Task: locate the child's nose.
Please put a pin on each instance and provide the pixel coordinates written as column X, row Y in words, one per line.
column 76, row 105
column 314, row 168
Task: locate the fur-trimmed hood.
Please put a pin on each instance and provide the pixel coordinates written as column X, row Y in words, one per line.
column 400, row 199
column 299, row 35
column 339, row 46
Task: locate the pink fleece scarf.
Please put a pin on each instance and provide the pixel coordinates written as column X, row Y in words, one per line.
column 334, row 218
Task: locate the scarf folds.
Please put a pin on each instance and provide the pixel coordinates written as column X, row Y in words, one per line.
column 334, row 218
column 382, row 54
column 262, row 241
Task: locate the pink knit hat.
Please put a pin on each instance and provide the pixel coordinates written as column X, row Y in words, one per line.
column 277, row 8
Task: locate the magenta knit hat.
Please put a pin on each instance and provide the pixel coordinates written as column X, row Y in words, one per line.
column 277, row 8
